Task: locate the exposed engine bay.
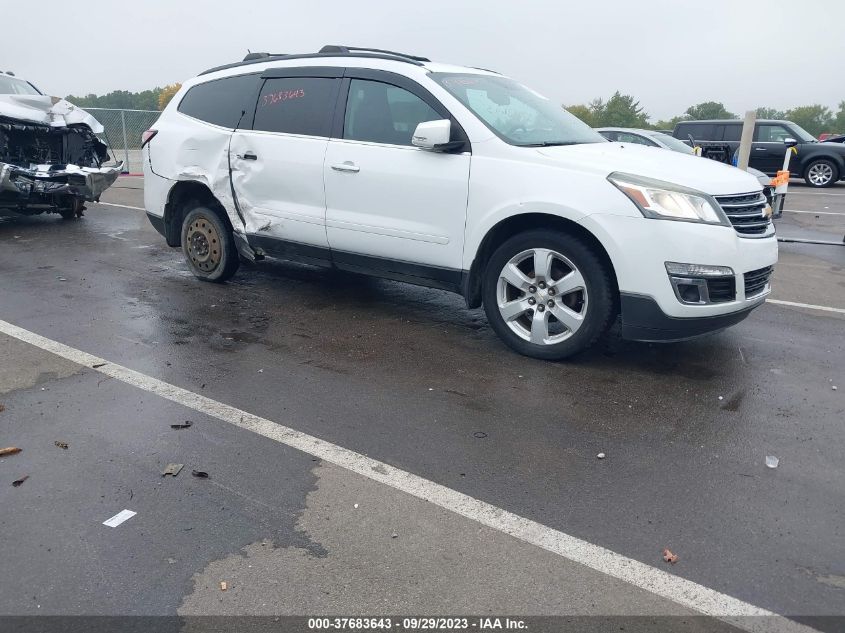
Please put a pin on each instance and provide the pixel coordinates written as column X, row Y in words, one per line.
column 51, row 160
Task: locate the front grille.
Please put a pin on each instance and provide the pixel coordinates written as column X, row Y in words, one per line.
column 746, row 213
column 721, row 289
column 756, row 280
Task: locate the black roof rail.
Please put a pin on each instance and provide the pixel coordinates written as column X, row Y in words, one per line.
column 346, row 50
column 326, row 51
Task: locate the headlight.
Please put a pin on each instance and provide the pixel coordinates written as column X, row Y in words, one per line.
column 665, row 201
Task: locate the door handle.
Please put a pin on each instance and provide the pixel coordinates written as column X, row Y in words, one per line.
column 347, row 166
column 759, row 149
column 247, row 156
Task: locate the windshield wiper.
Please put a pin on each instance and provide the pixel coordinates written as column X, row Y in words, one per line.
column 552, row 143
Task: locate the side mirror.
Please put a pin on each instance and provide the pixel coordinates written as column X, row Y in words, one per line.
column 433, row 135
column 790, row 142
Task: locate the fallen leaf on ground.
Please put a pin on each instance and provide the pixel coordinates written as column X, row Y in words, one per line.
column 18, row 482
column 61, row 444
column 11, row 450
column 669, row 557
column 186, row 424
column 2, row 408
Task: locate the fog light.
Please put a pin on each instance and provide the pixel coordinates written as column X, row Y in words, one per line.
column 697, row 270
column 689, row 293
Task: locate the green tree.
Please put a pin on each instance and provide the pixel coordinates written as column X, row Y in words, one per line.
column 770, row 113
column 623, row 111
column 709, row 110
column 582, row 112
column 145, row 100
column 669, row 124
column 839, row 121
column 813, row 118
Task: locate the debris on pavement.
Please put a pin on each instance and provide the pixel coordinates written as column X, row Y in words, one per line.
column 2, row 408
column 61, row 444
column 355, row 506
column 186, row 424
column 394, row 535
column 200, row 474
column 601, row 456
column 98, row 365
column 668, row 556
column 223, row 585
column 18, row 482
column 11, row 450
column 120, row 517
column 172, row 469
column 772, row 461
column 833, row 387
column 479, row 435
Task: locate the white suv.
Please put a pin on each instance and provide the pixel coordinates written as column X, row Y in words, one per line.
column 457, row 178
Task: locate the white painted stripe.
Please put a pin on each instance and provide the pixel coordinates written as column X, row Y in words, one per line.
column 122, row 206
column 813, row 212
column 120, row 517
column 806, row 305
column 679, row 590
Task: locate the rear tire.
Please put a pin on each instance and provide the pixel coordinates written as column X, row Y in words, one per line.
column 821, row 173
column 208, row 245
column 547, row 294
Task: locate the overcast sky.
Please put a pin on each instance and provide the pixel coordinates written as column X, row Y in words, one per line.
column 669, row 54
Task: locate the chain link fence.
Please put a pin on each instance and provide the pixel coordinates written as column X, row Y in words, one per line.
column 123, row 129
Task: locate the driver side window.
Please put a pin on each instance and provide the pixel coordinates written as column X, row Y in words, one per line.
column 382, row 113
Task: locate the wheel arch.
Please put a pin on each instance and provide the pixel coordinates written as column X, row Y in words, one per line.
column 836, row 159
column 182, row 193
column 508, row 227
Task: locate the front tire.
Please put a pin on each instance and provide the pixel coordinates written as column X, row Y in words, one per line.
column 821, row 173
column 547, row 294
column 208, row 245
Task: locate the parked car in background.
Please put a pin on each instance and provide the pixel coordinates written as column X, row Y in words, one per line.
column 51, row 160
column 457, row 178
column 819, row 164
column 835, row 138
column 649, row 138
column 656, row 138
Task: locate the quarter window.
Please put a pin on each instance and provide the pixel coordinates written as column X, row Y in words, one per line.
column 381, row 113
column 222, row 101
column 297, row 105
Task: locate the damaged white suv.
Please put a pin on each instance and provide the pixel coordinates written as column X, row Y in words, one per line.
column 456, row 178
column 51, row 160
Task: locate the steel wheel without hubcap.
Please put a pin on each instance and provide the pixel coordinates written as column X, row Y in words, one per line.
column 203, row 244
column 820, row 174
column 542, row 296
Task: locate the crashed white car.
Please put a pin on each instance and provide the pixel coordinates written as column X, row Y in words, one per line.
column 51, row 160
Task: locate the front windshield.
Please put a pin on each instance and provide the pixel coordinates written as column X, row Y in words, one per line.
column 13, row 86
column 515, row 113
column 672, row 143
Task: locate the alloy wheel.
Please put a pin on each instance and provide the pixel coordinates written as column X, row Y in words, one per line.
column 542, row 296
column 820, row 174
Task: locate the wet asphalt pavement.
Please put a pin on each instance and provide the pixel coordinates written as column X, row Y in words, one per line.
column 410, row 377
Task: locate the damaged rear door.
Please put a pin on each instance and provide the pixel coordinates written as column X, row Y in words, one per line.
column 277, row 166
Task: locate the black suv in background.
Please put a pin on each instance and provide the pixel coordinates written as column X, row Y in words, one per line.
column 819, row 164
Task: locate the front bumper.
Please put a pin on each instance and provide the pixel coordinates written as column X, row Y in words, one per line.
column 643, row 320
column 21, row 186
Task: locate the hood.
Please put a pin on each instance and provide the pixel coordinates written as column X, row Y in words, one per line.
column 52, row 111
column 695, row 172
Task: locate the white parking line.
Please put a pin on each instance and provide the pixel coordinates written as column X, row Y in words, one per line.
column 125, row 206
column 813, row 212
column 806, row 305
column 679, row 590
column 793, row 192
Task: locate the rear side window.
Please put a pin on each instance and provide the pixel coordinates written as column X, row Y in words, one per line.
column 297, row 105
column 729, row 133
column 700, row 132
column 221, row 101
column 768, row 133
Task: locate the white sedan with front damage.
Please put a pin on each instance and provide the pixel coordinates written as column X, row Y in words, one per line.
column 51, row 160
